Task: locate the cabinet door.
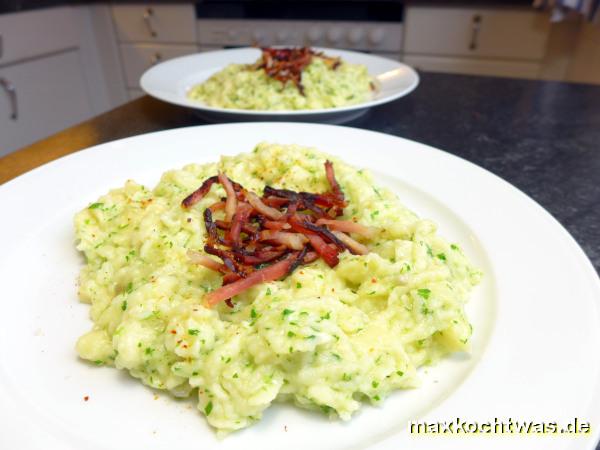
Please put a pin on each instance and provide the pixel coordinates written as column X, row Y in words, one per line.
column 479, row 32
column 155, row 23
column 137, row 58
column 51, row 95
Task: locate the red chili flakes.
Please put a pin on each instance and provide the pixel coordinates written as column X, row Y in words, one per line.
column 373, row 280
column 173, row 332
column 189, row 219
column 185, row 346
column 86, row 398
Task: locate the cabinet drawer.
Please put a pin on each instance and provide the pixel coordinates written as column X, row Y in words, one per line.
column 34, row 33
column 137, row 58
column 472, row 66
column 495, row 33
column 50, row 95
column 155, row 23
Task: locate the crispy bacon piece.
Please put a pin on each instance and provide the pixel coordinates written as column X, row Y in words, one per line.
column 325, row 234
column 311, row 257
column 331, row 62
column 259, row 256
column 294, row 241
column 298, row 260
column 271, row 273
column 347, row 226
column 303, row 200
column 263, row 209
column 246, row 227
column 217, row 206
column 228, row 259
column 231, row 203
column 355, row 247
column 211, row 228
column 203, row 260
column 335, row 187
column 239, row 219
column 230, row 278
column 329, row 254
column 276, row 202
column 275, row 226
column 199, row 193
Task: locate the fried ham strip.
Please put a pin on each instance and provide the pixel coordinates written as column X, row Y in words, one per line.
column 263, row 209
column 231, row 203
column 271, row 273
column 263, row 239
column 347, row 226
column 287, row 64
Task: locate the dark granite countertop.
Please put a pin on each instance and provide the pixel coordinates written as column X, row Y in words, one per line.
column 543, row 137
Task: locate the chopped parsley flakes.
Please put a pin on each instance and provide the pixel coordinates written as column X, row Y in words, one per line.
column 424, row 293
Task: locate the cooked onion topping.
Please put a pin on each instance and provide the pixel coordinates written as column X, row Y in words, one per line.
column 262, row 239
column 287, row 64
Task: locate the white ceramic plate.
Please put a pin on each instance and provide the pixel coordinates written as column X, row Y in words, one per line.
column 171, row 80
column 535, row 316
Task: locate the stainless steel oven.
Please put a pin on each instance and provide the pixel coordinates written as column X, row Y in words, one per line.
column 368, row 26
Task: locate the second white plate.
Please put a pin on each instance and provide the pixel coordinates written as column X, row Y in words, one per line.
column 171, row 80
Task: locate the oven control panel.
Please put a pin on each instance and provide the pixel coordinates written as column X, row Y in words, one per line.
column 375, row 37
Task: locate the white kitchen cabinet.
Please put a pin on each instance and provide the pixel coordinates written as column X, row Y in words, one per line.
column 49, row 64
column 479, row 41
column 50, row 95
column 33, row 33
column 161, row 23
column 137, row 58
column 482, row 32
column 150, row 34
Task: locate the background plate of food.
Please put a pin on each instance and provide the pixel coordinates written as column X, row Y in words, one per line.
column 532, row 300
column 307, row 84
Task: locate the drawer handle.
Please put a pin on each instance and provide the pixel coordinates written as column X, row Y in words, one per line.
column 148, row 14
column 12, row 96
column 475, row 27
column 156, row 58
